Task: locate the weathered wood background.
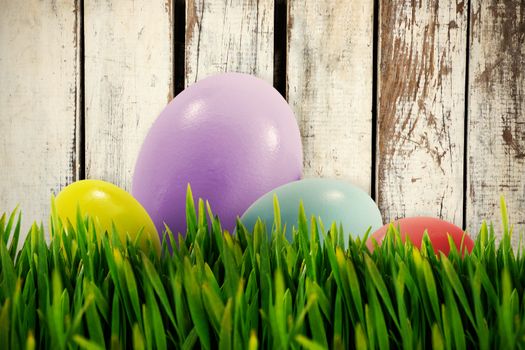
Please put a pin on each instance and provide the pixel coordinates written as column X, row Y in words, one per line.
column 420, row 103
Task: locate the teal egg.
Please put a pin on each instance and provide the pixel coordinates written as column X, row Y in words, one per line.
column 331, row 200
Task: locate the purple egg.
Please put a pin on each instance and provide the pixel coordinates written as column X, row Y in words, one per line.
column 231, row 136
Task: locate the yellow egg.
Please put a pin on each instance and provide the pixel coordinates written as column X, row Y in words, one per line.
column 107, row 203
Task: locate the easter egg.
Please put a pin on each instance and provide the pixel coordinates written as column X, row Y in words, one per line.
column 231, row 136
column 107, row 204
column 331, row 200
column 414, row 228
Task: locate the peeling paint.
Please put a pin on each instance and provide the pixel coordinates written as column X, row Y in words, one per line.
column 420, row 112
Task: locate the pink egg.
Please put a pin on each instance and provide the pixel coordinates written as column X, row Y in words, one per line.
column 437, row 229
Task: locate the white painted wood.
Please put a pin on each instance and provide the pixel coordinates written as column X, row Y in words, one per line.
column 421, row 78
column 39, row 84
column 128, row 69
column 421, row 109
column 496, row 114
column 329, row 86
column 229, row 36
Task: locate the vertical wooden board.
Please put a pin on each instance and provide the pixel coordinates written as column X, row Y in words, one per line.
column 496, row 118
column 39, row 80
column 329, row 86
column 421, row 108
column 129, row 80
column 229, row 36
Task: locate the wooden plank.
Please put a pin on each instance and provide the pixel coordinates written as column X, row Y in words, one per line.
column 329, row 86
column 39, row 80
column 422, row 58
column 496, row 114
column 229, row 36
column 128, row 68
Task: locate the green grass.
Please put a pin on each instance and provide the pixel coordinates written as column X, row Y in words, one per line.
column 246, row 292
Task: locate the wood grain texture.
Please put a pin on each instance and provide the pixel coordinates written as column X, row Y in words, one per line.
column 129, row 69
column 421, row 108
column 496, row 118
column 229, row 36
column 39, row 80
column 329, row 86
